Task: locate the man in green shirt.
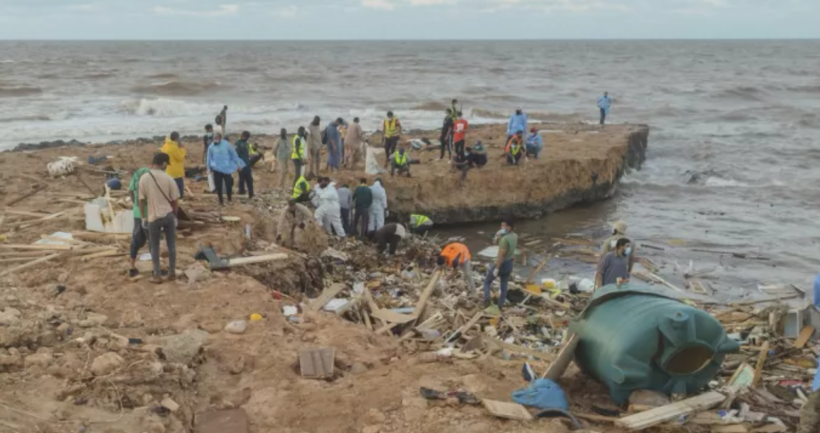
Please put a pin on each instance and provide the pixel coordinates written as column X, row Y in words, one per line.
column 503, row 265
column 362, row 199
column 138, row 237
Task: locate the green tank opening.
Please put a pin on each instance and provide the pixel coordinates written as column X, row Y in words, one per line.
column 689, row 360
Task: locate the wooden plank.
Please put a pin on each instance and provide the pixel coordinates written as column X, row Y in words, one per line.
column 36, row 247
column 521, row 349
column 25, row 195
column 669, row 412
column 25, row 213
column 30, row 264
column 17, row 254
column 425, row 296
column 760, row 301
column 761, row 360
column 594, row 417
column 803, row 338
column 392, row 317
column 657, row 279
column 109, row 253
column 544, row 297
column 503, row 409
column 564, row 358
column 372, row 304
column 538, row 269
column 15, row 260
column 91, row 236
column 466, row 327
column 325, row 297
column 317, row 363
column 27, row 224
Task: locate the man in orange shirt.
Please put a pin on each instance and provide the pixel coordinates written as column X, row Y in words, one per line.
column 459, row 133
column 456, row 256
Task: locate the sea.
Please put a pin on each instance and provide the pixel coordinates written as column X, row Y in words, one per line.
column 733, row 150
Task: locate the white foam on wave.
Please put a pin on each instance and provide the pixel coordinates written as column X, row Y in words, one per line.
column 718, row 182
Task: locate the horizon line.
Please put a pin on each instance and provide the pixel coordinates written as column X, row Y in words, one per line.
column 738, row 39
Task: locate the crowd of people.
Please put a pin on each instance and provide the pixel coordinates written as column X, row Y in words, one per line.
column 342, row 212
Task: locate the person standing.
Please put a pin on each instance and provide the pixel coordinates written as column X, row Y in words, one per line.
column 328, row 213
column 459, row 133
column 457, row 256
column 297, row 153
column 603, row 104
column 282, row 152
column 139, row 236
column 345, row 199
column 354, row 139
column 503, row 265
column 614, row 266
column 518, row 122
column 333, row 145
column 454, row 108
column 342, row 128
column 534, row 143
column 223, row 163
column 176, row 153
column 314, row 147
column 362, row 199
column 378, row 208
column 618, row 233
column 243, row 151
column 446, row 137
column 207, row 139
column 390, row 137
column 159, row 197
column 515, row 148
column 389, row 234
column 222, row 119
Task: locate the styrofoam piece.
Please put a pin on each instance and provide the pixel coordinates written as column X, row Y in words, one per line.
column 98, row 218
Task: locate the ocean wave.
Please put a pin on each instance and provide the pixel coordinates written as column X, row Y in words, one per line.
column 809, row 121
column 177, row 88
column 431, row 106
column 745, row 93
column 560, row 117
column 98, row 75
column 164, row 76
column 487, row 114
column 35, row 118
column 168, row 108
column 733, row 116
column 719, row 182
column 15, row 91
column 805, row 89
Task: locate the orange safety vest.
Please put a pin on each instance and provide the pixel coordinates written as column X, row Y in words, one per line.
column 513, row 146
column 391, row 127
column 455, row 251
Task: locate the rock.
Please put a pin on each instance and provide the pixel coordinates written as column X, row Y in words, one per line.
column 196, row 272
column 40, row 359
column 9, row 317
column 169, row 404
column 372, row 429
column 106, row 363
column 92, row 320
column 236, row 327
column 374, row 417
column 12, row 358
column 184, row 348
column 358, row 368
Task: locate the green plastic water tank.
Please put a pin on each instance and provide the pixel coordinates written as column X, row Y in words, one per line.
column 632, row 338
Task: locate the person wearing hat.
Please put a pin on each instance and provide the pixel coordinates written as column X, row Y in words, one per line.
column 457, row 256
column 515, row 148
column 534, row 143
column 618, row 233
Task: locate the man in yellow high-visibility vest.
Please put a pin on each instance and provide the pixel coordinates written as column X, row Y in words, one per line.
column 298, row 152
column 391, row 135
column 400, row 161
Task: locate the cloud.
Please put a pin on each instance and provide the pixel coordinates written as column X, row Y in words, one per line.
column 378, row 4
column 289, row 11
column 222, row 10
column 431, row 2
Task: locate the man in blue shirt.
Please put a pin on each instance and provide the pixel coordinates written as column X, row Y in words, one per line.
column 534, row 143
column 604, row 103
column 223, row 163
column 518, row 122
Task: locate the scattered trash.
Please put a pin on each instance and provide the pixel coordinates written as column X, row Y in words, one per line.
column 236, row 327
column 255, row 317
column 317, row 363
column 463, row 397
column 289, row 310
column 63, row 166
column 506, row 410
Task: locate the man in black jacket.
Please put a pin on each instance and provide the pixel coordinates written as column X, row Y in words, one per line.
column 447, row 134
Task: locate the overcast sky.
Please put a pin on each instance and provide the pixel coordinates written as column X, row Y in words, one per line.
column 408, row 19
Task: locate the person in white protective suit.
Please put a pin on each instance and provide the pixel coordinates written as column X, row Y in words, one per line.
column 379, row 207
column 328, row 214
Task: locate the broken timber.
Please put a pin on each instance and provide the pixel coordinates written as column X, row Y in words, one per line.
column 669, row 412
